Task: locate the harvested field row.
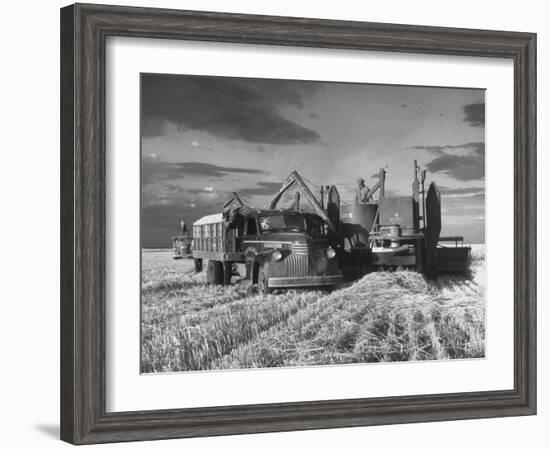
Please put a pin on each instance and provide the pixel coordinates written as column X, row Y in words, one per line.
column 200, row 338
column 398, row 316
column 384, row 317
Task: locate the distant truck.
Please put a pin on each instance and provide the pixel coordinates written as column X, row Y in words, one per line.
column 279, row 248
column 181, row 246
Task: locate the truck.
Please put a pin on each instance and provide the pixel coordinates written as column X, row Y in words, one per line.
column 277, row 248
column 181, row 246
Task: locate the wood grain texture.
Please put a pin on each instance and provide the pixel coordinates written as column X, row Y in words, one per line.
column 67, row 225
column 84, row 29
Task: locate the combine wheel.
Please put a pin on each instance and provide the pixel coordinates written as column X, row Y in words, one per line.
column 214, row 273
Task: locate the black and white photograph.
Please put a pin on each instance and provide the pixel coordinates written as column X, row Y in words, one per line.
column 290, row 223
column 282, row 224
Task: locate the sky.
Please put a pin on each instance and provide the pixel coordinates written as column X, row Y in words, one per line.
column 205, row 137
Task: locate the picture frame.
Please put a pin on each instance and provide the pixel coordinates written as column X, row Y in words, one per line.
column 84, row 29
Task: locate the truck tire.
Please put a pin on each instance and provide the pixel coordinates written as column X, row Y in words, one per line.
column 198, row 265
column 227, row 271
column 214, row 273
column 263, row 281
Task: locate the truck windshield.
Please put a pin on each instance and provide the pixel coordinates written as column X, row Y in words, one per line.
column 283, row 222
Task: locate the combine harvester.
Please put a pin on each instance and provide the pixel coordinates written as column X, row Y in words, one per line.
column 404, row 231
column 290, row 248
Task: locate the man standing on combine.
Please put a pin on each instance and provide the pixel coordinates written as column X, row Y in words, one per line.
column 362, row 193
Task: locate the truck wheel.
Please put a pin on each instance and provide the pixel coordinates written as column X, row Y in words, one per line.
column 263, row 281
column 214, row 273
column 198, row 265
column 227, row 271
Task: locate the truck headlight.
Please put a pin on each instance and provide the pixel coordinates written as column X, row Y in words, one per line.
column 276, row 256
column 330, row 253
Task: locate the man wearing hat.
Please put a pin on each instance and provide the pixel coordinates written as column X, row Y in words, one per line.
column 362, row 193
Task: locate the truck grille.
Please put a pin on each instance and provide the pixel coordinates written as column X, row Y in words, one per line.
column 297, row 265
column 302, row 249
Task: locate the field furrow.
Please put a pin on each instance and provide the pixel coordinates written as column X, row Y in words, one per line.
column 384, row 317
column 193, row 341
column 398, row 316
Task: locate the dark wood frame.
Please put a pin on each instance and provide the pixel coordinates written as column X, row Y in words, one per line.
column 84, row 29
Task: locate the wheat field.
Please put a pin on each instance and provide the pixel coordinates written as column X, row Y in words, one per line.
column 383, row 317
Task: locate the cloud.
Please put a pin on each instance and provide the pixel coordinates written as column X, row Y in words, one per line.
column 204, row 169
column 160, row 219
column 155, row 170
column 461, row 167
column 461, row 194
column 435, row 148
column 474, row 114
column 233, row 108
column 461, row 191
column 262, row 188
column 159, row 222
column 479, row 195
column 189, row 190
column 443, row 148
column 464, row 162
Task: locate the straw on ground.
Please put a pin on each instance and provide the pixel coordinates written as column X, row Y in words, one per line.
column 397, row 316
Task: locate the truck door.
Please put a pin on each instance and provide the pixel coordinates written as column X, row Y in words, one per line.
column 239, row 234
column 251, row 229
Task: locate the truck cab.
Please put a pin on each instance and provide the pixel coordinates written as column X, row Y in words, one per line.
column 290, row 249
